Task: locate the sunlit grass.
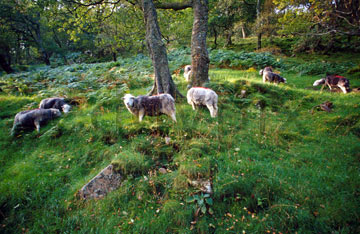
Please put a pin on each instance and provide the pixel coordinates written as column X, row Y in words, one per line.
column 274, row 166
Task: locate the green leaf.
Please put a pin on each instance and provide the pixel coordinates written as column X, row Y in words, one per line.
column 211, row 211
column 209, row 201
column 200, row 202
column 190, row 199
column 206, row 195
column 203, row 209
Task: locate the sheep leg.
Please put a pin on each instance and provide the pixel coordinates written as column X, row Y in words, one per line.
column 343, row 89
column 211, row 109
column 37, row 125
column 193, row 105
column 141, row 115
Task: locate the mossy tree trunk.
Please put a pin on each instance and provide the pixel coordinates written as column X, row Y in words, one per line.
column 163, row 82
column 199, row 54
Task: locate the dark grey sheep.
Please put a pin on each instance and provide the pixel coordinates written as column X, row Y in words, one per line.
column 33, row 119
column 268, row 75
column 55, row 102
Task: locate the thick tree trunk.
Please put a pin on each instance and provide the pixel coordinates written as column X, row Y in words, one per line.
column 199, row 54
column 5, row 65
column 163, row 81
column 114, row 56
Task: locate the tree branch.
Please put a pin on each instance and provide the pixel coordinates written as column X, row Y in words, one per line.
column 176, row 6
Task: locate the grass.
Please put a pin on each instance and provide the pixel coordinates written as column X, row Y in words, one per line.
column 274, row 166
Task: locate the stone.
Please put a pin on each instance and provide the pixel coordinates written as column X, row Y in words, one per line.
column 103, row 183
column 162, row 170
column 203, row 185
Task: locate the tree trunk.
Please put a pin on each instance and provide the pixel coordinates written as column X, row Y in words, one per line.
column 199, row 54
column 258, row 5
column 5, row 65
column 114, row 56
column 215, row 37
column 163, row 81
column 228, row 39
column 243, row 32
column 259, row 41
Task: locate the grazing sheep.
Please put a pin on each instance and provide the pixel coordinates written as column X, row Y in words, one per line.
column 150, row 105
column 33, row 119
column 187, row 72
column 203, row 96
column 334, row 81
column 55, row 102
column 268, row 75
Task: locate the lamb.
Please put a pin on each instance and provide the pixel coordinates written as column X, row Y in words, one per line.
column 334, row 81
column 55, row 102
column 150, row 105
column 268, row 75
column 203, row 96
column 33, row 118
column 187, row 72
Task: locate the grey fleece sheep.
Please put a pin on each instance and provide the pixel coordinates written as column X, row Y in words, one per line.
column 203, row 96
column 55, row 102
column 150, row 105
column 268, row 75
column 33, row 119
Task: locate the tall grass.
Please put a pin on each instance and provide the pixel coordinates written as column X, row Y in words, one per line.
column 273, row 165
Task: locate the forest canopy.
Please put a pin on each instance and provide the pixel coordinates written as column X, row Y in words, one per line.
column 58, row 32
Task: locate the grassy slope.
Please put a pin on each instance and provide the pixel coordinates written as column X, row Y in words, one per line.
column 273, row 169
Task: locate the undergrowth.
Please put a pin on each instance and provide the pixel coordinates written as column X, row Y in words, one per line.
column 274, row 166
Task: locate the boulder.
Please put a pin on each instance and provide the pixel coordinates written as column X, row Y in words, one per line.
column 104, row 182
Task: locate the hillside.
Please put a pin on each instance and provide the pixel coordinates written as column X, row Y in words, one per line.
column 275, row 166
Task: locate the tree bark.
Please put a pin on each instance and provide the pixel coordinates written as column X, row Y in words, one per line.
column 258, row 5
column 199, row 54
column 259, row 41
column 243, row 32
column 215, row 37
column 163, row 81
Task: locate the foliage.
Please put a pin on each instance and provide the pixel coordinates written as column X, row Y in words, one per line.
column 272, row 164
column 243, row 60
column 203, row 203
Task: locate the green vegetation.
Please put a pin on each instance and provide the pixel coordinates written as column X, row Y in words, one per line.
column 274, row 166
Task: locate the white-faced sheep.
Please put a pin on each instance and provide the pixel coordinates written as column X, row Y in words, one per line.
column 269, row 76
column 55, row 102
column 150, row 105
column 33, row 119
column 334, row 81
column 203, row 96
column 187, row 72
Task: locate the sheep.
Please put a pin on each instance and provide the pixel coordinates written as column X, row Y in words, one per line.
column 33, row 118
column 203, row 96
column 268, row 75
column 334, row 81
column 151, row 105
column 55, row 102
column 187, row 72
